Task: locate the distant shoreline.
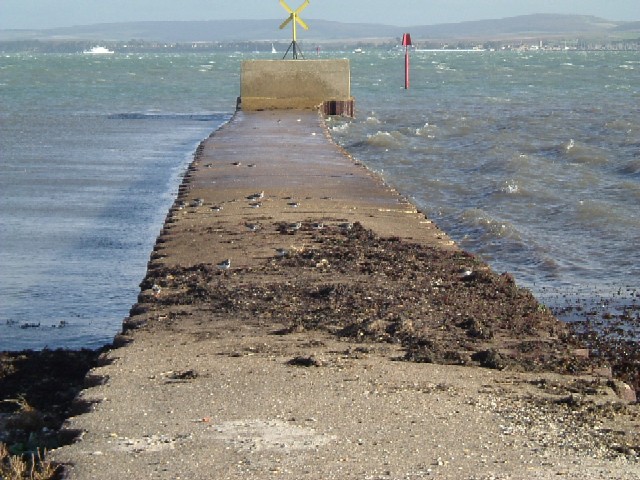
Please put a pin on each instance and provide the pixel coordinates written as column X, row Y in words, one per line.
column 265, row 47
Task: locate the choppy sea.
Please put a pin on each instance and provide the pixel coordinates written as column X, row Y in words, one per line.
column 530, row 160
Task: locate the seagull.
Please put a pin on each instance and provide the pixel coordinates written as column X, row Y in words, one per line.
column 225, row 264
column 236, row 164
column 282, row 252
column 255, row 204
column 254, row 227
column 466, row 274
column 294, row 227
column 293, row 204
column 216, row 208
column 256, row 196
column 198, row 202
column 317, row 226
column 346, row 226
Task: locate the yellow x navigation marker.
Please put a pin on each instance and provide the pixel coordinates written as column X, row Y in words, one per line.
column 294, row 18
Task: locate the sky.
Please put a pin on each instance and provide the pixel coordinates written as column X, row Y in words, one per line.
column 28, row 14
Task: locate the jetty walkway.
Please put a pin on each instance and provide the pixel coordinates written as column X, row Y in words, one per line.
column 293, row 324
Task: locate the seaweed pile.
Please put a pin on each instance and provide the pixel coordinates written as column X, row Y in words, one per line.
column 442, row 306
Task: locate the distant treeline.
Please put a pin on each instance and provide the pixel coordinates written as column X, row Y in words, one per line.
column 309, row 48
column 133, row 46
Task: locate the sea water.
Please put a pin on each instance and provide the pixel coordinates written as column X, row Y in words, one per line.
column 92, row 150
column 530, row 160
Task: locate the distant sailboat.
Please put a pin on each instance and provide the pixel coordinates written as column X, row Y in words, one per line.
column 273, row 49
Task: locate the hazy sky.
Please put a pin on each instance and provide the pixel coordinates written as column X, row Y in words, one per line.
column 403, row 13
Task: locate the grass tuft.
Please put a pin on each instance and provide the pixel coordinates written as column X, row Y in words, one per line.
column 25, row 467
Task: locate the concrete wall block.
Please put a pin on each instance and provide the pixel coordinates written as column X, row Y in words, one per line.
column 273, row 84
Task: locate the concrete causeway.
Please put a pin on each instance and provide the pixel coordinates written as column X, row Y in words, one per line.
column 196, row 393
column 289, row 156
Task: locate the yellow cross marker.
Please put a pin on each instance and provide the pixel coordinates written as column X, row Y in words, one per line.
column 295, row 20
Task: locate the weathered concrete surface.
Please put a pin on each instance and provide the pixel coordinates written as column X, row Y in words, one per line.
column 293, row 84
column 293, row 162
column 201, row 395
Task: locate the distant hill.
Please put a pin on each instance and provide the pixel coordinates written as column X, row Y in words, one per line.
column 628, row 27
column 204, row 31
column 522, row 26
column 267, row 30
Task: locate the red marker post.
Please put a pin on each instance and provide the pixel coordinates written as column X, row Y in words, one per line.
column 406, row 43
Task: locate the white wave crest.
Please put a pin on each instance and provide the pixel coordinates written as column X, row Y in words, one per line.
column 427, row 130
column 491, row 227
column 341, row 127
column 385, row 139
column 510, row 187
column 581, row 153
column 570, row 145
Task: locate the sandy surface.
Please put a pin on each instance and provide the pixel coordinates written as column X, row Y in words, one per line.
column 234, row 406
column 327, row 359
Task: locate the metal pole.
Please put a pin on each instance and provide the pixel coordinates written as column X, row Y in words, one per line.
column 406, row 68
column 406, row 42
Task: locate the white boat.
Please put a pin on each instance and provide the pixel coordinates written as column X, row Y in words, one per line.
column 273, row 49
column 98, row 51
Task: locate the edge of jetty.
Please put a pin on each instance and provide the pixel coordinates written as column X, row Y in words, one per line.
column 301, row 319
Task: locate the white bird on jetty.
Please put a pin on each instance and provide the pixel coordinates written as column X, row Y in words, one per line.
column 294, row 227
column 466, row 274
column 225, row 264
column 256, row 196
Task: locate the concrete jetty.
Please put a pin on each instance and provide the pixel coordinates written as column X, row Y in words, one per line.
column 287, row 157
column 203, row 390
column 274, row 338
